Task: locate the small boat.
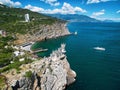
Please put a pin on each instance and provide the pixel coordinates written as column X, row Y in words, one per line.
column 99, row 48
column 76, row 33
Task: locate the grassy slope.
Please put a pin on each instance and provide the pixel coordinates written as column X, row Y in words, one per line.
column 2, row 82
column 11, row 19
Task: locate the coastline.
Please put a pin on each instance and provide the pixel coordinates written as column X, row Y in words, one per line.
column 55, row 69
column 67, row 32
column 25, row 71
column 44, row 32
column 56, row 57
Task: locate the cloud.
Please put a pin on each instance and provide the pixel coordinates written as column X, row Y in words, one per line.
column 118, row 11
column 96, row 14
column 10, row 3
column 92, row 1
column 98, row 1
column 68, row 9
column 1, row 3
column 65, row 9
column 34, row 8
column 51, row 2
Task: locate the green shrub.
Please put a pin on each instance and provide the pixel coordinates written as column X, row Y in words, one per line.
column 15, row 65
column 28, row 74
column 2, row 82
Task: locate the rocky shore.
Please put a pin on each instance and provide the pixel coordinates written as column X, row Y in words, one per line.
column 49, row 73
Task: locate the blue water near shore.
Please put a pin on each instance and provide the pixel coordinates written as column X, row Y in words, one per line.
column 96, row 70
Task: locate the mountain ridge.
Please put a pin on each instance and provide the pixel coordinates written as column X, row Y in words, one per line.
column 75, row 17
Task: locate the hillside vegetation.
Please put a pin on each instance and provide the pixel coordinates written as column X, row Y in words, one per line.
column 12, row 19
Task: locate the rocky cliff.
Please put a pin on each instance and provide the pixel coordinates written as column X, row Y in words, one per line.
column 39, row 27
column 43, row 32
column 51, row 73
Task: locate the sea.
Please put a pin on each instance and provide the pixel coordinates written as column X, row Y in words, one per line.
column 96, row 69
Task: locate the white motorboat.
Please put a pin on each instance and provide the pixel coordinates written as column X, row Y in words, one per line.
column 99, row 48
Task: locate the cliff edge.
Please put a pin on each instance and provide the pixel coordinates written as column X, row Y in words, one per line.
column 25, row 26
column 43, row 32
column 50, row 73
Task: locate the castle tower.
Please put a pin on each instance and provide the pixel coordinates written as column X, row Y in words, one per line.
column 63, row 48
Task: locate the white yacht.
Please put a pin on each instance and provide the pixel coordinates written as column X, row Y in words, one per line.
column 99, row 48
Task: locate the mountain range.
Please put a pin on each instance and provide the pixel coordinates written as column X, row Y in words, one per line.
column 78, row 18
column 75, row 18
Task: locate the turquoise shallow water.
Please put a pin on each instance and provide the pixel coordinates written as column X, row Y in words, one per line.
column 96, row 70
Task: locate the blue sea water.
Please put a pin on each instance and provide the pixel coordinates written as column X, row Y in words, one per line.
column 96, row 70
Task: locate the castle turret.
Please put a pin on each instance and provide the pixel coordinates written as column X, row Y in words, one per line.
column 63, row 48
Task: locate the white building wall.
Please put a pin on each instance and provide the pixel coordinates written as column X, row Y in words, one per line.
column 27, row 19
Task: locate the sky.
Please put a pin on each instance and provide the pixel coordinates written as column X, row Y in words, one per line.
column 99, row 9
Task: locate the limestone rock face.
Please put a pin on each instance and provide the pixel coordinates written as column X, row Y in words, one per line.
column 43, row 32
column 51, row 73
